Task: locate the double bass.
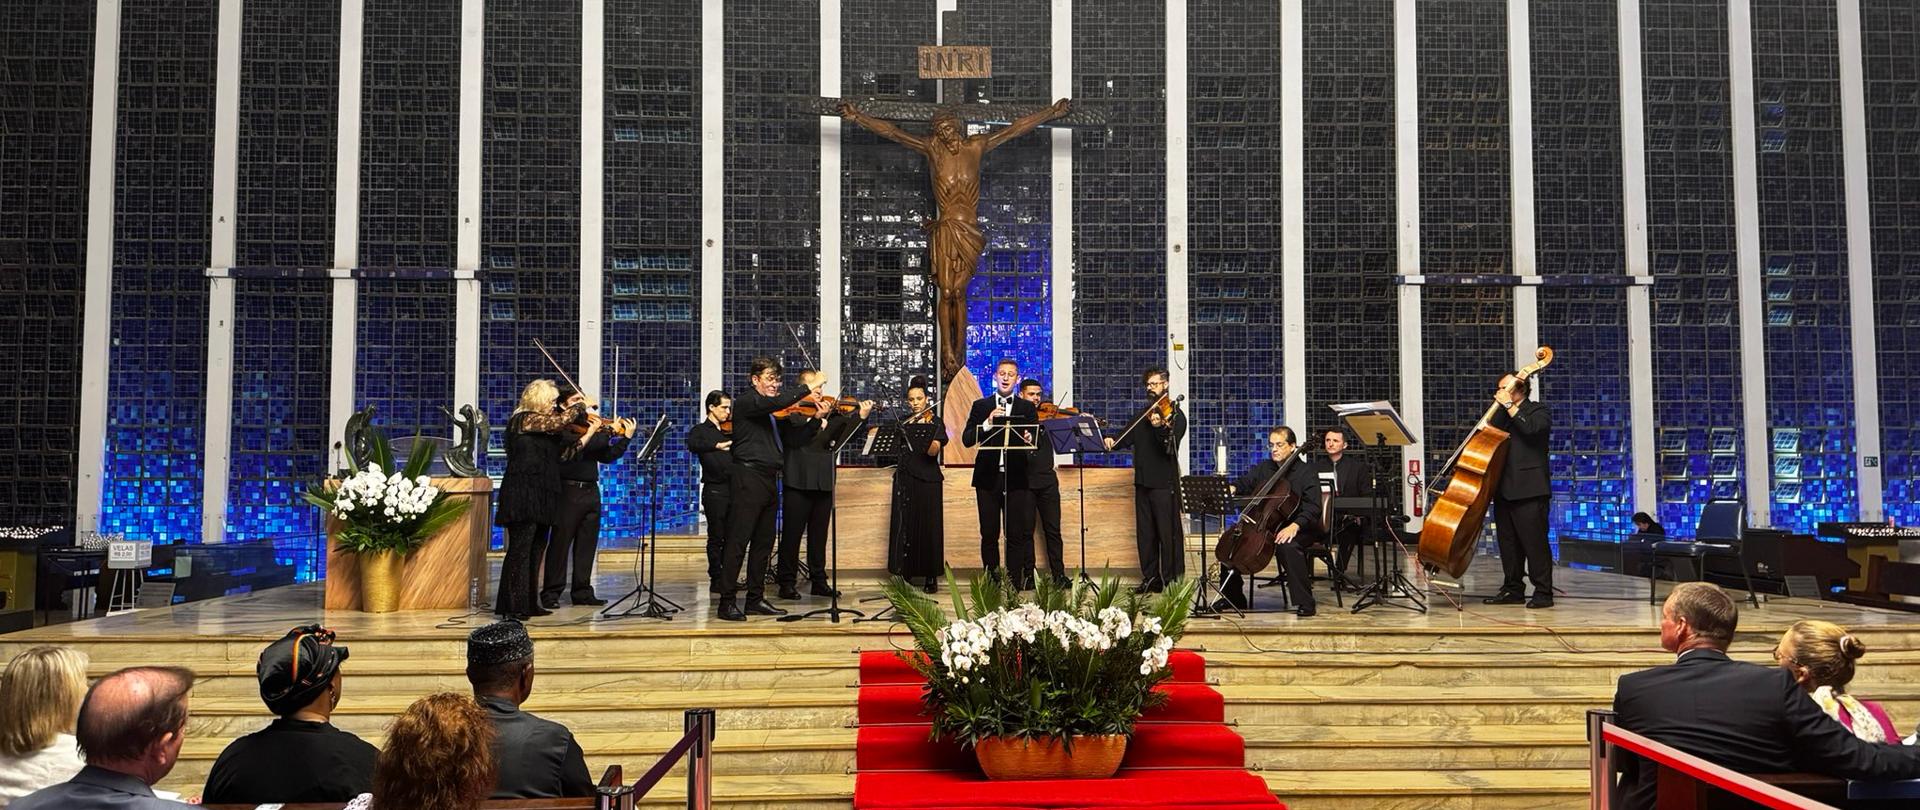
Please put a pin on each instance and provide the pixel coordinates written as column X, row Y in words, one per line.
column 1454, row 521
column 1247, row 545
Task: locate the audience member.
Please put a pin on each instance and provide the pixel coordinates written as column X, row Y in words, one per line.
column 1820, row 656
column 537, row 758
column 129, row 730
column 300, row 757
column 1644, row 523
column 1746, row 717
column 40, row 696
column 439, row 756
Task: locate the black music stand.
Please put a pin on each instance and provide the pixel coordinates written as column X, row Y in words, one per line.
column 654, row 606
column 1378, row 425
column 835, row 436
column 1203, row 496
column 890, row 441
column 1077, row 435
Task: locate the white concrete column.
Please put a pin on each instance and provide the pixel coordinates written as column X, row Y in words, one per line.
column 712, row 192
column 1178, row 357
column 1746, row 217
column 96, row 325
column 217, row 462
column 466, row 252
column 1293, row 216
column 346, row 224
column 1060, row 230
column 830, row 257
column 1406, row 154
column 593, row 199
column 1860, row 302
column 1526, row 300
column 1633, row 185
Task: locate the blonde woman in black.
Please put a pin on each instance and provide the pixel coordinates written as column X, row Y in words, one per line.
column 529, row 494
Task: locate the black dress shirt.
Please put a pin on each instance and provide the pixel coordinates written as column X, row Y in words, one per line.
column 1156, row 451
column 754, row 442
column 716, row 465
column 1300, row 478
column 584, row 463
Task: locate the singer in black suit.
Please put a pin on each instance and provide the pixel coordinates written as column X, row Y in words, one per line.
column 1342, row 476
column 1747, row 717
column 1288, row 551
column 1044, row 482
column 1155, row 442
column 1525, row 496
column 806, row 496
column 756, row 466
column 1000, row 484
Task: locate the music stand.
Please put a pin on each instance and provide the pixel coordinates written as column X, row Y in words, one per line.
column 1205, row 495
column 890, row 441
column 1011, row 436
column 654, row 606
column 1378, row 425
column 1077, row 435
column 830, row 439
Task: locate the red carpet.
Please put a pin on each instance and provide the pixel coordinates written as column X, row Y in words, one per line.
column 1182, row 755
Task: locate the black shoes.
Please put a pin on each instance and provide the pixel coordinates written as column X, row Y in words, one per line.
column 539, row 611
column 761, row 607
column 1509, row 597
column 789, row 592
column 730, row 612
column 1149, row 586
column 589, row 601
column 550, row 602
column 931, row 585
column 823, row 589
column 1541, row 599
column 1305, row 611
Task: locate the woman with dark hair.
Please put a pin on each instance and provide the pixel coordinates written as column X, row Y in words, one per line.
column 1644, row 523
column 916, row 547
column 439, row 756
column 529, row 497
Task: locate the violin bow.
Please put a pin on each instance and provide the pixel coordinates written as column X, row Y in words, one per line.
column 556, row 366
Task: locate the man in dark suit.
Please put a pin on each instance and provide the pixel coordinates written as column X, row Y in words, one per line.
column 1044, row 483
column 757, row 456
column 714, row 448
column 1000, row 484
column 1525, row 496
column 806, row 495
column 130, row 728
column 576, row 526
column 537, row 758
column 1342, row 476
column 1747, row 717
column 1281, row 446
column 1155, row 442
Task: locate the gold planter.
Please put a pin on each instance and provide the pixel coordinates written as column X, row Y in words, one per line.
column 1093, row 757
column 380, row 581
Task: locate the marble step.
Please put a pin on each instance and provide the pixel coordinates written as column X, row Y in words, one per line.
column 1391, row 748
column 1496, row 669
column 1430, row 790
column 1444, row 707
column 1342, row 634
column 615, row 670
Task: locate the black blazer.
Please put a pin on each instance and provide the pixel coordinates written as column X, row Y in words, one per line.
column 1156, row 451
column 754, row 443
column 809, row 467
column 716, row 465
column 1528, row 473
column 1743, row 716
column 538, row 758
column 986, row 464
column 1301, row 478
column 1040, row 472
column 1351, row 477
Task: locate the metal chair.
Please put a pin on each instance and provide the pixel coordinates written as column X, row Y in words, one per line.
column 1718, row 535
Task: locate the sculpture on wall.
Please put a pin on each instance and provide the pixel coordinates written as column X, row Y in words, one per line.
column 463, row 457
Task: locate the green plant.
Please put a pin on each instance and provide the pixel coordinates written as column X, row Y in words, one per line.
column 1071, row 661
column 381, row 508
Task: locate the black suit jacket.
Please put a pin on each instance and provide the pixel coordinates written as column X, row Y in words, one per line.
column 1351, row 477
column 986, row 464
column 1302, row 480
column 1156, row 451
column 1040, row 472
column 94, row 788
column 1528, row 472
column 1743, row 716
column 754, row 443
column 808, row 467
column 538, row 758
column 716, row 465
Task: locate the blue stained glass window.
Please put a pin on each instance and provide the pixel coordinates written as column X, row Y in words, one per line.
column 1888, row 30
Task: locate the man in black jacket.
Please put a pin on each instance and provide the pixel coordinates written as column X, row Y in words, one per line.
column 300, row 681
column 576, row 524
column 1525, row 496
column 714, row 447
column 1747, row 717
column 756, row 464
column 1342, row 476
column 537, row 758
column 1287, row 551
column 1044, row 483
column 1155, row 442
column 806, row 494
column 1000, row 484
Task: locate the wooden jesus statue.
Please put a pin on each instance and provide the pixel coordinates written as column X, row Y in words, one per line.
column 953, row 159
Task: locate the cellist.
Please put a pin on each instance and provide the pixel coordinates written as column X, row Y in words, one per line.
column 1282, row 446
column 1525, row 495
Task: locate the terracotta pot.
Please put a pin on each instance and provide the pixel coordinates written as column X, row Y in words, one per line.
column 380, row 581
column 1093, row 757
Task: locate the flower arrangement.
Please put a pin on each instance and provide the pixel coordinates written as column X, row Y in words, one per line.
column 381, row 508
column 1072, row 662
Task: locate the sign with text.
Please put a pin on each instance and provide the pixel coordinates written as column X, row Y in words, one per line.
column 956, row 62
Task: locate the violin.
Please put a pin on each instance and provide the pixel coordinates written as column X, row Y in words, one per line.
column 726, row 427
column 616, row 426
column 818, row 405
column 1049, row 410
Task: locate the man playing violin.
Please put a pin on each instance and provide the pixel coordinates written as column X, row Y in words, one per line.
column 1044, row 483
column 1156, row 470
column 807, row 492
column 576, row 525
column 711, row 441
column 1281, row 446
column 1525, row 496
column 757, row 455
column 1000, row 477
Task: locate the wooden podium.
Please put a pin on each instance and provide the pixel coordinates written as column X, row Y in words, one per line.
column 440, row 573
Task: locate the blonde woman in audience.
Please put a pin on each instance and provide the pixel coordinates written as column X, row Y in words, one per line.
column 1820, row 655
column 438, row 756
column 40, row 696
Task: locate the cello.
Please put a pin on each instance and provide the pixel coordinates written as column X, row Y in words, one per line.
column 1454, row 521
column 1247, row 546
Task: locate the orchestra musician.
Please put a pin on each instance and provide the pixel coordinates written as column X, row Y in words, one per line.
column 1525, row 496
column 1156, row 471
column 576, row 528
column 1342, row 476
column 806, row 494
column 1044, row 483
column 916, row 542
column 757, row 456
column 711, row 441
column 529, row 498
column 1288, row 553
column 1000, row 477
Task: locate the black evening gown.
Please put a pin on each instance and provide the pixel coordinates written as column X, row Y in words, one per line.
column 916, row 544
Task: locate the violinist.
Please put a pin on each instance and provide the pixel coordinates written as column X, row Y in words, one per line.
column 576, row 526
column 1044, row 483
column 1281, row 448
column 756, row 464
column 1155, row 442
column 530, row 493
column 711, row 441
column 1525, row 496
column 806, row 496
column 1000, row 477
column 916, row 541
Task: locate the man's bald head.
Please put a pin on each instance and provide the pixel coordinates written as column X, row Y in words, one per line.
column 127, row 712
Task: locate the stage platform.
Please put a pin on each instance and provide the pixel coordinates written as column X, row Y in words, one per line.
column 1386, row 708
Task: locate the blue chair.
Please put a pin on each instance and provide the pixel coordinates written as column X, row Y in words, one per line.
column 1720, row 532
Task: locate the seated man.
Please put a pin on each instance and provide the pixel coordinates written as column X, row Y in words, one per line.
column 538, row 759
column 1282, row 448
column 300, row 757
column 1746, row 717
column 130, row 729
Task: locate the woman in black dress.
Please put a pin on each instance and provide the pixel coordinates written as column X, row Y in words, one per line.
column 530, row 493
column 916, row 546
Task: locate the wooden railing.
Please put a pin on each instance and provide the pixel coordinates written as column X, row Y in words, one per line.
column 1687, row 782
